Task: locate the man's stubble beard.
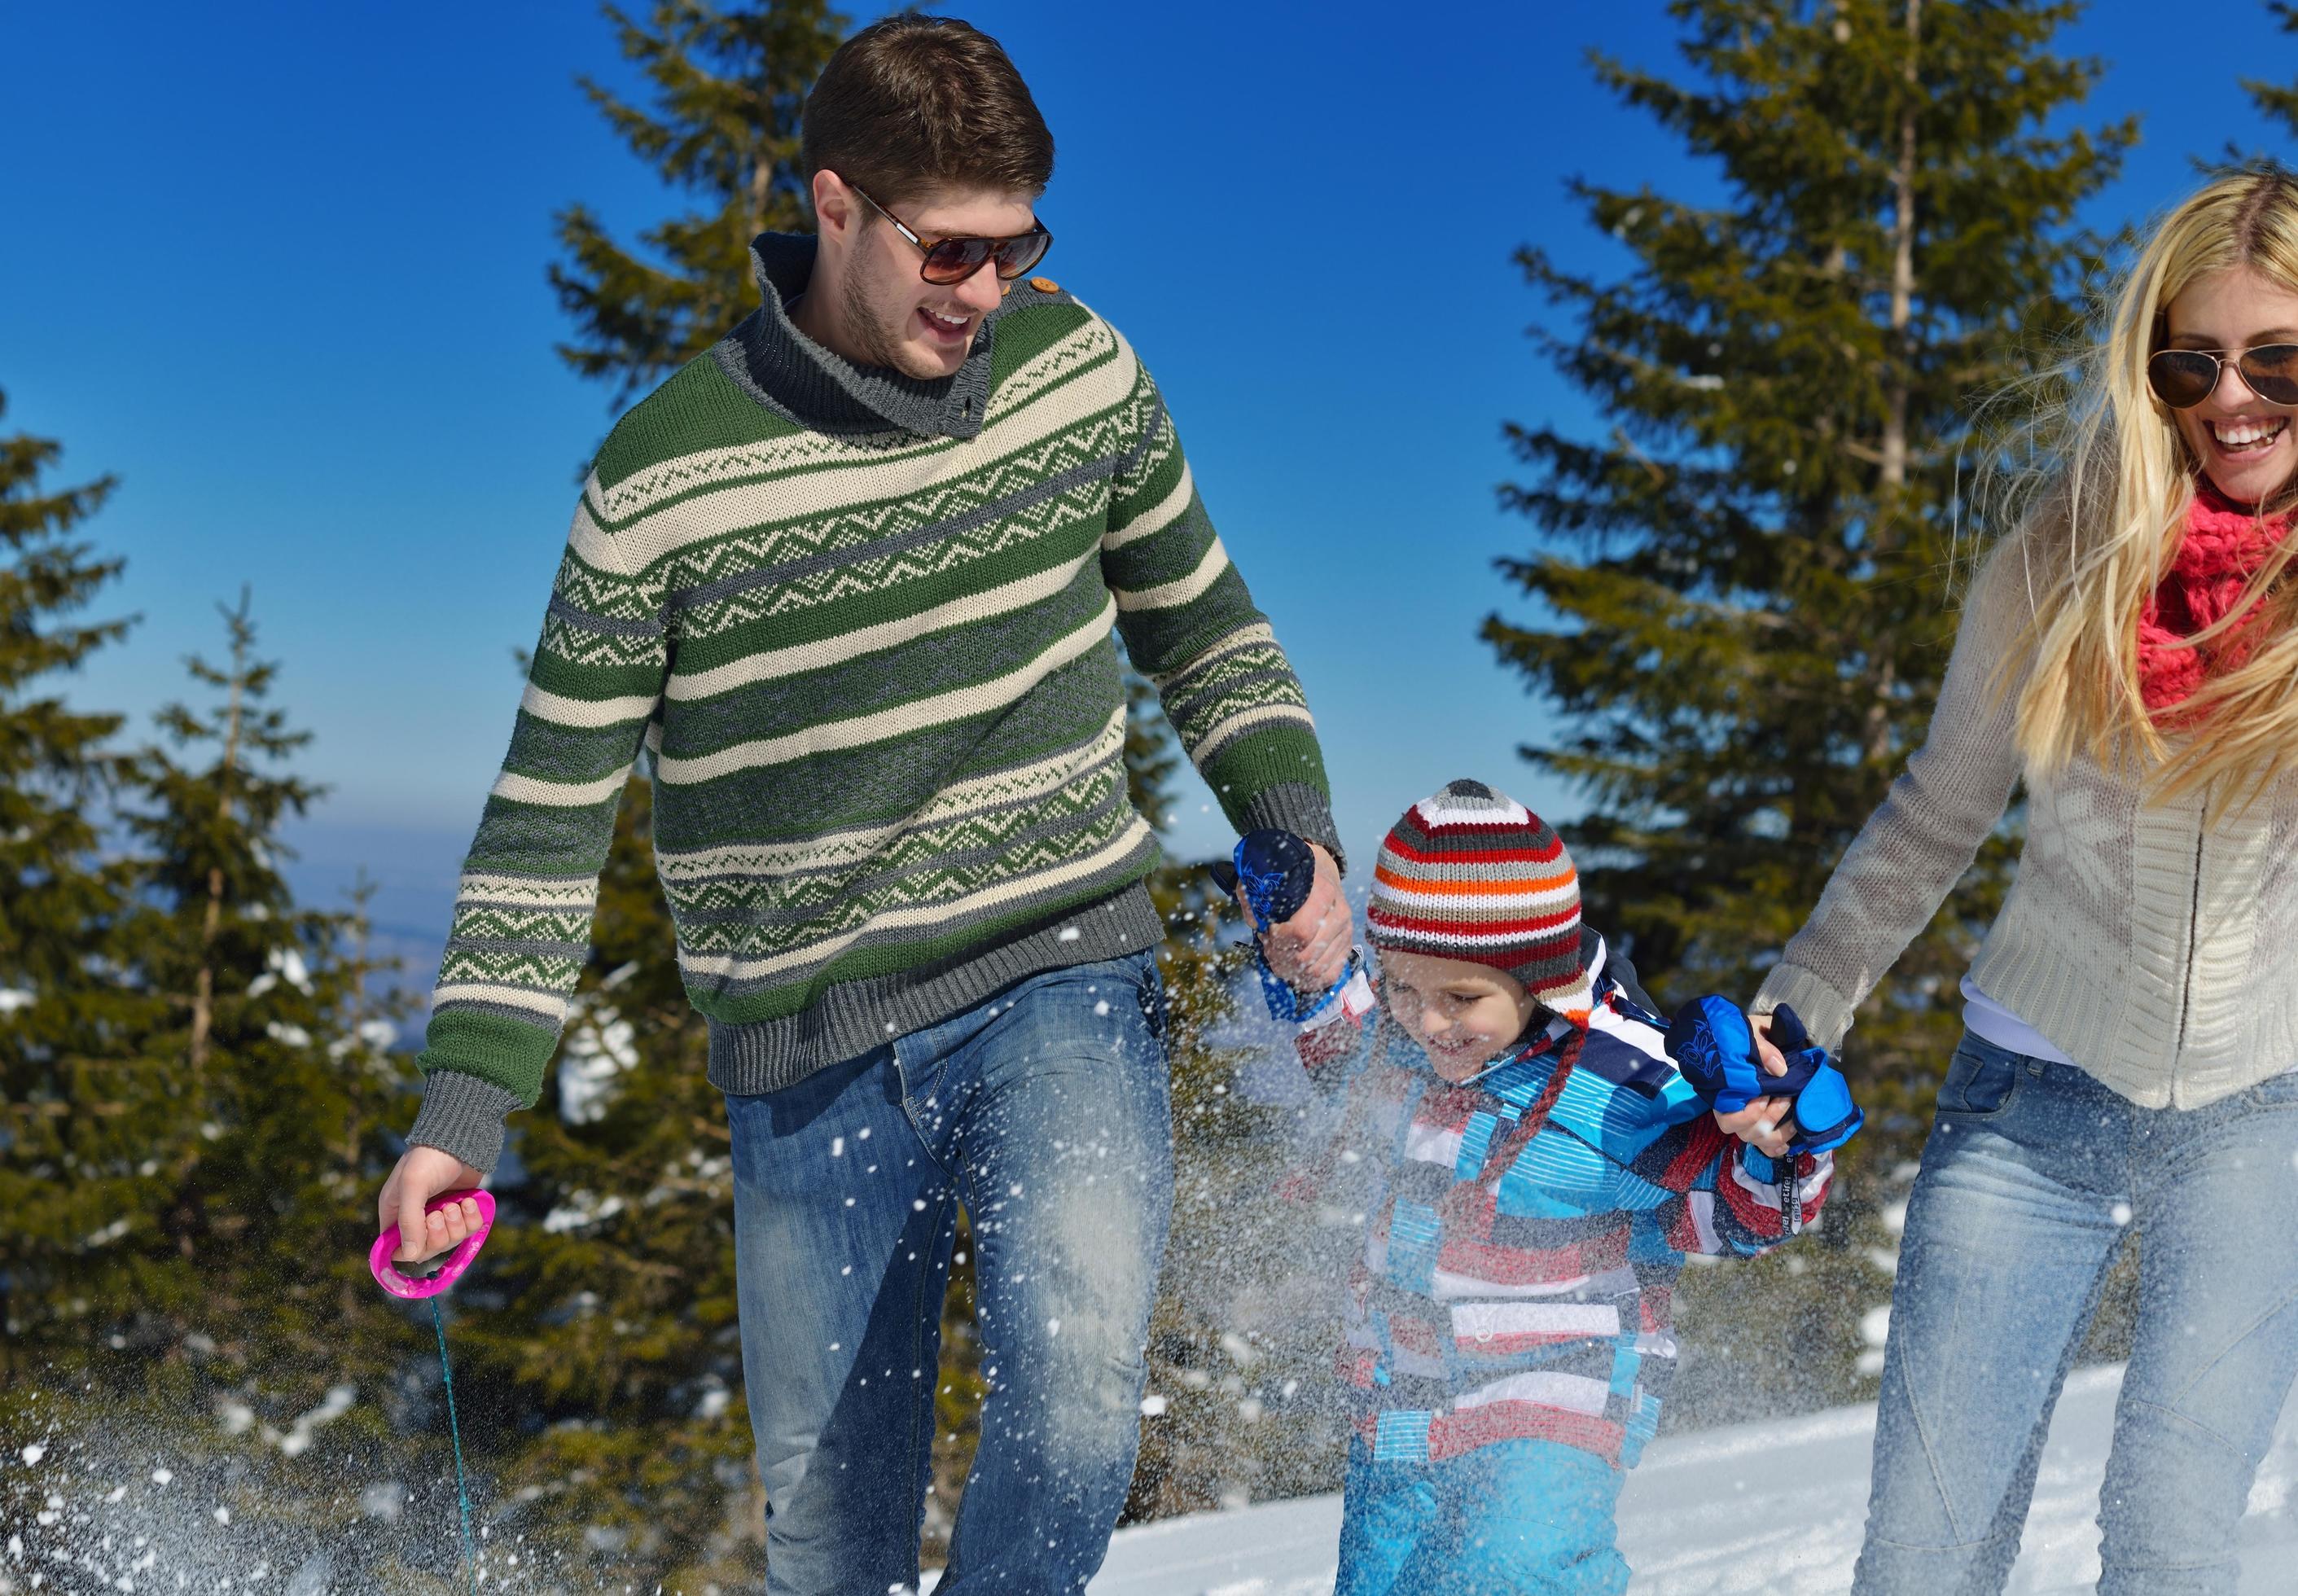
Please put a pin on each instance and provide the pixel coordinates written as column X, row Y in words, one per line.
column 876, row 343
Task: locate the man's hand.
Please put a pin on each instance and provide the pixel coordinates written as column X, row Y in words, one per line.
column 421, row 1174
column 1312, row 949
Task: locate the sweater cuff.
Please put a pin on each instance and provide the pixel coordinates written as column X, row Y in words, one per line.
column 462, row 1116
column 1824, row 1012
column 1297, row 807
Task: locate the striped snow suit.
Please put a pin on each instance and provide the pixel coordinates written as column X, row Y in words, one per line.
column 1522, row 1244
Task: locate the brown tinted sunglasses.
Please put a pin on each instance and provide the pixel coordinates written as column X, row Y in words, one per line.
column 2182, row 378
column 951, row 261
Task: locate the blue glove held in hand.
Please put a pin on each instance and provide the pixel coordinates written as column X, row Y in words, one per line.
column 1712, row 1042
column 1276, row 872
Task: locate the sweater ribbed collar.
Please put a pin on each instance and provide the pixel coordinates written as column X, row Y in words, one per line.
column 783, row 369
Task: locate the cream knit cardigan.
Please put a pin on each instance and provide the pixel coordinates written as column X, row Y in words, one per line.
column 2157, row 949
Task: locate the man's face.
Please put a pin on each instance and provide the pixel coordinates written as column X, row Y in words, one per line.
column 887, row 314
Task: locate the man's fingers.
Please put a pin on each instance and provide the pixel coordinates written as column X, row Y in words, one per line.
column 412, row 1236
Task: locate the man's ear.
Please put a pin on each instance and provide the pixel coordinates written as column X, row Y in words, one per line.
column 836, row 208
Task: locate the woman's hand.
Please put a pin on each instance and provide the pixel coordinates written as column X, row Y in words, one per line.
column 1757, row 1124
column 1768, row 1052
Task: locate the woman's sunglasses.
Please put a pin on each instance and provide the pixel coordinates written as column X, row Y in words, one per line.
column 951, row 261
column 2182, row 378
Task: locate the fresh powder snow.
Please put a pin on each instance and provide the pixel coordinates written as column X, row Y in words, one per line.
column 1771, row 1507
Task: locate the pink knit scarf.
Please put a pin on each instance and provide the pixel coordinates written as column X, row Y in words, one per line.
column 2225, row 545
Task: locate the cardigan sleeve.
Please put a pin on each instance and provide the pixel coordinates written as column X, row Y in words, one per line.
column 1918, row 843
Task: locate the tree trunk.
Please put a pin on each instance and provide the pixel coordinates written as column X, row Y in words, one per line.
column 1893, row 466
column 204, row 985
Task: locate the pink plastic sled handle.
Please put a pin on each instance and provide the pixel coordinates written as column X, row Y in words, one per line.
column 413, row 1288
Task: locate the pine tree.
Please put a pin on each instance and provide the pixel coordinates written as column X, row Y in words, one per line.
column 209, row 1151
column 264, row 1068
column 62, row 899
column 2279, row 100
column 1743, row 590
column 728, row 87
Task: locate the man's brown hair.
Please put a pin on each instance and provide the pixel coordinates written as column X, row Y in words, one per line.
column 912, row 103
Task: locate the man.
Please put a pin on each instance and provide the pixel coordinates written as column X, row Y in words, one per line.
column 850, row 578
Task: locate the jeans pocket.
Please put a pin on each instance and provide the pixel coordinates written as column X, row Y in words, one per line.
column 1980, row 1080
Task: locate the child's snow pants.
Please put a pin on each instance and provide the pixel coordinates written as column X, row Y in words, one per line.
column 1515, row 1516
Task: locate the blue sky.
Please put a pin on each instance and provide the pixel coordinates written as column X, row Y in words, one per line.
column 279, row 267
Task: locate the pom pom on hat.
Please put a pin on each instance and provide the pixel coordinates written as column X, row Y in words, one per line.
column 1470, row 874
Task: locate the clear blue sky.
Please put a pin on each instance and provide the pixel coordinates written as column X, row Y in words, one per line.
column 279, row 267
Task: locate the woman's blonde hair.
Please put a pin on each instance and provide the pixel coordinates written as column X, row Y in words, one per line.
column 2101, row 537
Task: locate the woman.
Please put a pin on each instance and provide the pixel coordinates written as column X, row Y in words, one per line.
column 2130, row 653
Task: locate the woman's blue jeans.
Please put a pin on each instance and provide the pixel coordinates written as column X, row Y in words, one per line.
column 2032, row 1173
column 1045, row 1111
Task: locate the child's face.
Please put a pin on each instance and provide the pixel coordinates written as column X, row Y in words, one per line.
column 1460, row 1014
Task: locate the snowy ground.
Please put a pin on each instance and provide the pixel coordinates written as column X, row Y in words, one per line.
column 1701, row 1516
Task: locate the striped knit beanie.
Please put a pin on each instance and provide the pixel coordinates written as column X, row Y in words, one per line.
column 1470, row 874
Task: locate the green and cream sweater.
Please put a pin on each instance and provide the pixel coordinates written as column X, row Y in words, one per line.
column 861, row 627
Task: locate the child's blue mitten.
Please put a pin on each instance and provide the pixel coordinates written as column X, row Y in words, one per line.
column 1824, row 1117
column 1712, row 1042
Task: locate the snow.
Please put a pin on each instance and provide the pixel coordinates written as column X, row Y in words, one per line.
column 600, row 1045
column 1714, row 1512
column 1769, row 1508
column 283, row 961
column 581, row 1209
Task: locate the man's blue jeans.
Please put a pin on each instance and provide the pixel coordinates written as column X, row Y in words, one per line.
column 1045, row 1113
column 2032, row 1173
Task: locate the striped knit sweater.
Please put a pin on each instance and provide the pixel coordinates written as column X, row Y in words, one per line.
column 862, row 628
column 1532, row 1300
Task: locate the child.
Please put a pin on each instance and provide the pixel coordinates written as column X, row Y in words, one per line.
column 1541, row 1169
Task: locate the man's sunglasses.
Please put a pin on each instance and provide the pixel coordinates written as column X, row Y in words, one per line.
column 2182, row 378
column 950, row 260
